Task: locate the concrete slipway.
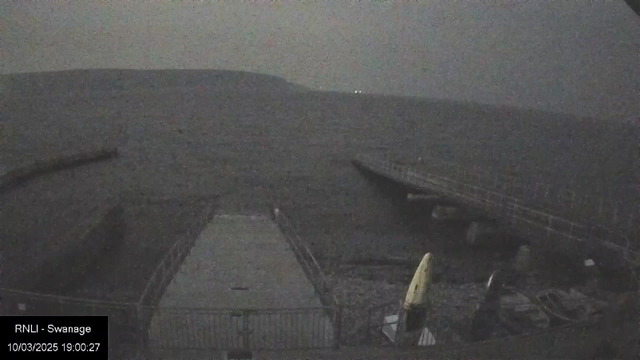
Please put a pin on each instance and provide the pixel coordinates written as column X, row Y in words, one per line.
column 248, row 290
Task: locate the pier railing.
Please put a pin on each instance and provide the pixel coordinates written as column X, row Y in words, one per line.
column 512, row 210
column 562, row 201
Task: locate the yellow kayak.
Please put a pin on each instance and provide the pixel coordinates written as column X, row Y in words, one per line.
column 419, row 286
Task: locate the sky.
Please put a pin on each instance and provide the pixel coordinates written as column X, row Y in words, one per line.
column 573, row 56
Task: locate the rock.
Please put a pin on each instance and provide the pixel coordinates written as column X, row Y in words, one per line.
column 520, row 313
column 522, row 261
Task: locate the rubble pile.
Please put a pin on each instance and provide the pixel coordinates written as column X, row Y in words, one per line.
column 451, row 305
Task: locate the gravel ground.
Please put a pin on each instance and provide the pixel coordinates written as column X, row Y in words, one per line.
column 370, row 285
column 452, row 306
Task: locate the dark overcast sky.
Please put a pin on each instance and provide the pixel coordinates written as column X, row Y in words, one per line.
column 577, row 56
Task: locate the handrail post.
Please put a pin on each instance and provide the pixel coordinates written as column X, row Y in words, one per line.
column 140, row 325
column 245, row 330
column 338, row 326
column 368, row 328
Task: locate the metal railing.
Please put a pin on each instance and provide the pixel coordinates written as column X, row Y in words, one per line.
column 309, row 328
column 376, row 320
column 307, row 260
column 153, row 327
column 507, row 207
column 170, row 264
column 251, row 329
column 313, row 271
column 563, row 201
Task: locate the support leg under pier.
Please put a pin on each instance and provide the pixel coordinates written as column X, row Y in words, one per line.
column 522, row 260
column 441, row 213
column 480, row 233
column 422, row 197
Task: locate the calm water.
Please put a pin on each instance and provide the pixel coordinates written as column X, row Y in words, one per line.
column 293, row 150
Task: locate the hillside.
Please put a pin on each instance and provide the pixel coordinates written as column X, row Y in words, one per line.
column 106, row 80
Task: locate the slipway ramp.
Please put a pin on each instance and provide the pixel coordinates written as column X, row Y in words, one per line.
column 240, row 287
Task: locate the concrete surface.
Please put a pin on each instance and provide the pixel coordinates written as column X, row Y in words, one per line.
column 240, row 264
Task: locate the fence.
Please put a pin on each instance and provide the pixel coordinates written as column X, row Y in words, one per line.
column 376, row 320
column 312, row 269
column 255, row 329
column 291, row 329
column 170, row 264
column 168, row 328
column 556, row 231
